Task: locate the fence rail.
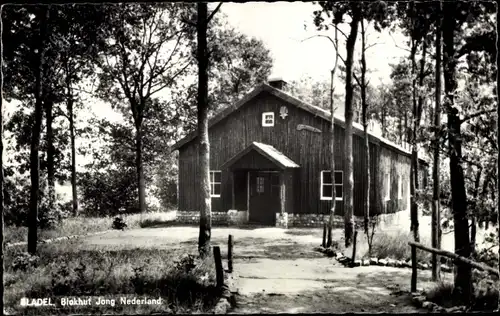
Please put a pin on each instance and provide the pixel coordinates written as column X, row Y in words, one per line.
column 444, row 253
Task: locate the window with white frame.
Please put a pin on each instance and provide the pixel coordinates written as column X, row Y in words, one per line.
column 268, row 119
column 387, row 182
column 215, row 183
column 400, row 188
column 327, row 183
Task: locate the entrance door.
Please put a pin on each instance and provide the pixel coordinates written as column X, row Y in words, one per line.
column 264, row 197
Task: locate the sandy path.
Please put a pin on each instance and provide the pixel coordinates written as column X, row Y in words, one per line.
column 279, row 271
column 321, row 286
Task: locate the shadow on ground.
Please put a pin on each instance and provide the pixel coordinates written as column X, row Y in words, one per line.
column 323, row 289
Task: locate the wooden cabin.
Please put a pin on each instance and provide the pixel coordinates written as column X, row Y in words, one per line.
column 270, row 164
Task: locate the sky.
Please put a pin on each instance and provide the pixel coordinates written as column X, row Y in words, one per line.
column 280, row 25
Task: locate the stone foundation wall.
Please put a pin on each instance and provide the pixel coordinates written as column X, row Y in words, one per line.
column 285, row 220
column 317, row 220
column 282, row 220
column 231, row 217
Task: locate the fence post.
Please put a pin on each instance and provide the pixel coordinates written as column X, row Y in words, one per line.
column 219, row 271
column 230, row 253
column 413, row 268
column 324, row 236
column 354, row 247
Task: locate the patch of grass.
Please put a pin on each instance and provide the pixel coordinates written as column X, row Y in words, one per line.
column 86, row 225
column 66, row 270
column 442, row 294
column 386, row 244
column 484, row 298
column 156, row 220
column 395, row 245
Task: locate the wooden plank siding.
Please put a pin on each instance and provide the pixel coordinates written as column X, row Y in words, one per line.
column 308, row 149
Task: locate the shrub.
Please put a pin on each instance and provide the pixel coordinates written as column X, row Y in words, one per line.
column 108, row 193
column 487, row 256
column 186, row 263
column 17, row 201
column 118, row 223
column 485, row 291
column 24, row 261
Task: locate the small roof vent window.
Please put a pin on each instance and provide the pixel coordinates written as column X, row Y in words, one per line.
column 268, row 119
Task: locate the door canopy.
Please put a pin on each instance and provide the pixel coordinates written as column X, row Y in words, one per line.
column 260, row 156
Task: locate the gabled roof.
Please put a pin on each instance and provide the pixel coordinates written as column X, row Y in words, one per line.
column 316, row 111
column 268, row 151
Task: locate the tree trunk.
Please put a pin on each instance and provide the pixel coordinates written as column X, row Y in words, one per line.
column 139, row 167
column 332, row 141
column 73, row 153
column 384, row 128
column 498, row 160
column 401, row 133
column 406, row 134
column 49, row 117
column 35, row 138
column 436, row 207
column 463, row 282
column 203, row 140
column 366, row 180
column 414, row 155
column 1, row 162
column 349, row 166
column 473, row 229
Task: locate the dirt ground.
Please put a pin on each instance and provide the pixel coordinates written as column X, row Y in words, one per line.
column 279, row 272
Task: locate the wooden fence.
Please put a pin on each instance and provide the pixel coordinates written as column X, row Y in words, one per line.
column 219, row 270
column 444, row 253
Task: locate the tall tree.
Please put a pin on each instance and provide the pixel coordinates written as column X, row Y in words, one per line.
column 203, row 141
column 238, row 63
column 463, row 276
column 39, row 54
column 349, row 163
column 332, row 140
column 144, row 56
column 49, row 116
column 364, row 105
column 498, row 152
column 436, row 216
column 80, row 30
column 357, row 11
column 415, row 20
column 418, row 33
column 1, row 154
column 455, row 16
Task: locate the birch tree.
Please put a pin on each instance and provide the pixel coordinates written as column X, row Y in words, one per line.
column 202, row 55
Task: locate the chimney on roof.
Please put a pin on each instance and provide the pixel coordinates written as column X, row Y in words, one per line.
column 278, row 83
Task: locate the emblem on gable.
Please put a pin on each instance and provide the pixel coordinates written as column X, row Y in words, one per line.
column 283, row 112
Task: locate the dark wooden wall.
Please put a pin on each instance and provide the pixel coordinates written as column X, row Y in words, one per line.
column 310, row 150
